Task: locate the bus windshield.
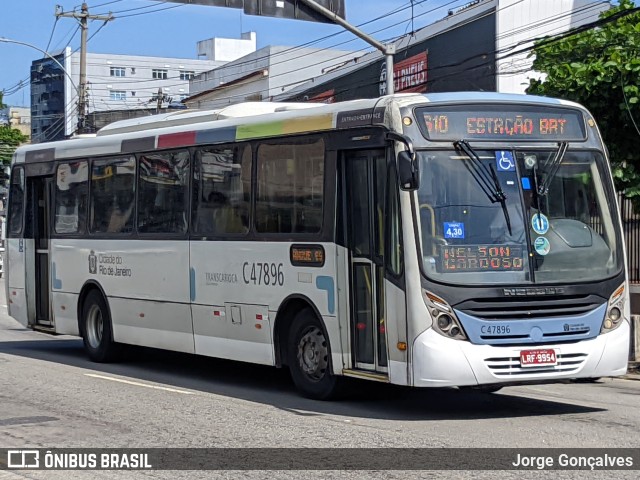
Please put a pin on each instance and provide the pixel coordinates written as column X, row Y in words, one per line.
column 516, row 216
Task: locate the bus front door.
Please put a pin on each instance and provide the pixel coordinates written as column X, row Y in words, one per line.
column 38, row 205
column 363, row 187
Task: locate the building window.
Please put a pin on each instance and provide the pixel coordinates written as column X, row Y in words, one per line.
column 117, row 71
column 187, row 74
column 160, row 73
column 118, row 95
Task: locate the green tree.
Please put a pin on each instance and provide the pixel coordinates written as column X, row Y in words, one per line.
column 600, row 68
column 10, row 138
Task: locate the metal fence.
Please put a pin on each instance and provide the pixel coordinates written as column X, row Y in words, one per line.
column 631, row 232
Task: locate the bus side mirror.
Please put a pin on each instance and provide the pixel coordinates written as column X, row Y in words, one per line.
column 408, row 172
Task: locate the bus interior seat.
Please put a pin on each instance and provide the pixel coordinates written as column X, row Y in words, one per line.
column 227, row 219
column 205, row 219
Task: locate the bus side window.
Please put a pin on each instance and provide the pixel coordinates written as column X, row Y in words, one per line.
column 163, row 192
column 120, row 213
column 112, row 195
column 222, row 190
column 16, row 201
column 290, row 182
column 72, row 185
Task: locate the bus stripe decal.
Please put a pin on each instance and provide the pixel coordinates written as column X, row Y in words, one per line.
column 307, row 124
column 43, row 155
column 176, row 139
column 259, row 130
column 192, row 284
column 326, row 283
column 303, row 124
column 56, row 283
column 227, row 134
column 138, row 144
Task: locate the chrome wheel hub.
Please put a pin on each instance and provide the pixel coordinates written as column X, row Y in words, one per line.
column 94, row 326
column 313, row 353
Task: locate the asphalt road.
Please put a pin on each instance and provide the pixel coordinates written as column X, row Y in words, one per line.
column 52, row 396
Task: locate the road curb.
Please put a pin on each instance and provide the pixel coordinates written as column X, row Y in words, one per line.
column 633, row 371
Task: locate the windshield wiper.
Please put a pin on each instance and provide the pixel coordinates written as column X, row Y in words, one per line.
column 485, row 177
column 553, row 165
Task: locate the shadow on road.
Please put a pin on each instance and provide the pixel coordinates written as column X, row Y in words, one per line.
column 272, row 386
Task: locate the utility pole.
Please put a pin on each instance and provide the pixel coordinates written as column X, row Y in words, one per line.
column 387, row 50
column 159, row 101
column 83, row 17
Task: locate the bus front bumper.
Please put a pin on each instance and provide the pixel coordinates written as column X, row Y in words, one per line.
column 442, row 362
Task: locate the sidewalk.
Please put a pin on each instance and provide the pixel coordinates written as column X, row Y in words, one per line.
column 633, row 372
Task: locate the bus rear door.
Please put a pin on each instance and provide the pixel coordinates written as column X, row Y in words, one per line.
column 36, row 244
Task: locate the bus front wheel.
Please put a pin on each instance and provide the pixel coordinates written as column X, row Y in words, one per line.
column 96, row 329
column 310, row 358
column 482, row 388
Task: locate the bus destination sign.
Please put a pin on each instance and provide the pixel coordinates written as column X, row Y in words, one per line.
column 491, row 122
column 481, row 258
column 307, row 255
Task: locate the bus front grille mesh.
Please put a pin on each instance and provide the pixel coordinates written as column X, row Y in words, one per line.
column 510, row 366
column 503, row 308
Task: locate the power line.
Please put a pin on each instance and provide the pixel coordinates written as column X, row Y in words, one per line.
column 83, row 17
column 150, row 11
column 386, row 15
column 545, row 40
column 376, row 80
column 476, row 66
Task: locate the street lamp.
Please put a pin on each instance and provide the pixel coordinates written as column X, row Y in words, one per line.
column 18, row 42
column 8, row 40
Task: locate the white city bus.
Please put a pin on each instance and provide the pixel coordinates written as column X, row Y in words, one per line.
column 441, row 240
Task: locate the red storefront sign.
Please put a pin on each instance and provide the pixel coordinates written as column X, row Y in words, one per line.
column 410, row 75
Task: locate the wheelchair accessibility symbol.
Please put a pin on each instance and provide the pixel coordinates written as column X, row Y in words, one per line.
column 540, row 223
column 504, row 161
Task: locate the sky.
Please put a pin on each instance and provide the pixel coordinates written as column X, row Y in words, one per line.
column 167, row 29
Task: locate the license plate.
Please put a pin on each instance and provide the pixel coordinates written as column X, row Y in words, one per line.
column 538, row 358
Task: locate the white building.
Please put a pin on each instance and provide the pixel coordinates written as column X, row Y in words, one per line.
column 262, row 75
column 118, row 82
column 18, row 118
column 227, row 49
column 517, row 22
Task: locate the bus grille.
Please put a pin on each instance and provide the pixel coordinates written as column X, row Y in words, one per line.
column 510, row 366
column 508, row 308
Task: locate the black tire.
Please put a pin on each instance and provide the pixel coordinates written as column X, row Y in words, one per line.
column 310, row 358
column 96, row 329
column 587, row 380
column 483, row 388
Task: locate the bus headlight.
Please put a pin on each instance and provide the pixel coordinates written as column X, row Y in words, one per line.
column 444, row 321
column 615, row 309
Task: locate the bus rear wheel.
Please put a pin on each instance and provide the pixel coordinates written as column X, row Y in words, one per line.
column 310, row 358
column 96, row 329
